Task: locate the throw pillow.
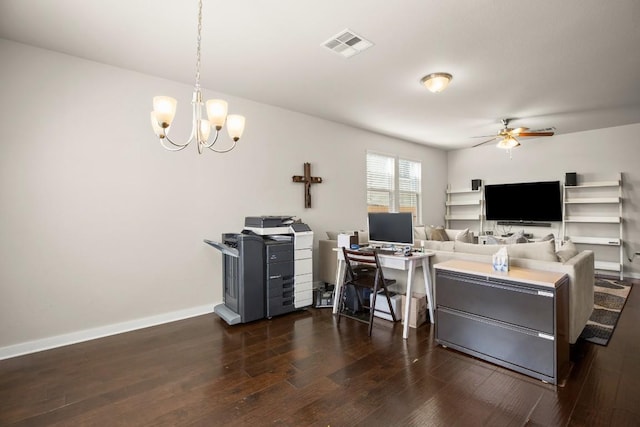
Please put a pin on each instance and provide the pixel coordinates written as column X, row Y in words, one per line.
column 419, row 233
column 541, row 251
column 438, row 233
column 493, row 240
column 427, row 231
column 567, row 251
column 549, row 236
column 464, row 236
column 516, row 238
column 332, row 235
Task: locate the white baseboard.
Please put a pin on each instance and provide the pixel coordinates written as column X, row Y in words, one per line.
column 102, row 331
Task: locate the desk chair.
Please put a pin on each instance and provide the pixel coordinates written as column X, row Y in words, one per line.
column 363, row 271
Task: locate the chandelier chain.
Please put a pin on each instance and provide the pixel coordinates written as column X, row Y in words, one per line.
column 198, row 44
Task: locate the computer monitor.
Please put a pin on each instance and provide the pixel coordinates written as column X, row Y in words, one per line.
column 391, row 229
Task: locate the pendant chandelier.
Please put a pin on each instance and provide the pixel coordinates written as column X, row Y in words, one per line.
column 164, row 110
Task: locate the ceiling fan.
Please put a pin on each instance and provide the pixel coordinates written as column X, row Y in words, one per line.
column 507, row 136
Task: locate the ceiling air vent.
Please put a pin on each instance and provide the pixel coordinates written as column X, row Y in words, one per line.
column 347, row 43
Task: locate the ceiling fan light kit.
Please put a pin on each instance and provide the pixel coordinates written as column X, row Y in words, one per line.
column 508, row 143
column 436, row 82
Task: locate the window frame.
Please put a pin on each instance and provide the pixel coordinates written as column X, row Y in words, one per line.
column 395, row 193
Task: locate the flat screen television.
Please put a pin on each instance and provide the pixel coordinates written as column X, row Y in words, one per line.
column 391, row 228
column 524, row 202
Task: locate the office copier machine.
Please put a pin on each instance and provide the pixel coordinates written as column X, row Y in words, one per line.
column 267, row 269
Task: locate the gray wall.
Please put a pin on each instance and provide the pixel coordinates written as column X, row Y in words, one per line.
column 595, row 156
column 101, row 228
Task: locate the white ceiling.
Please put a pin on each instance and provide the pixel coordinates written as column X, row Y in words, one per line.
column 570, row 64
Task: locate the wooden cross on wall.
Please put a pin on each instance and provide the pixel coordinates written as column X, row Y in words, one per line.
column 308, row 180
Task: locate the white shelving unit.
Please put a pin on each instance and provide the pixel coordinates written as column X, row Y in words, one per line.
column 465, row 205
column 589, row 204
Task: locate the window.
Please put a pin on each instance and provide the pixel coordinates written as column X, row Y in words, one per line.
column 393, row 185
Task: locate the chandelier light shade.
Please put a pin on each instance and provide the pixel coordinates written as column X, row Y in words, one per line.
column 436, row 82
column 164, row 111
column 235, row 126
column 217, row 112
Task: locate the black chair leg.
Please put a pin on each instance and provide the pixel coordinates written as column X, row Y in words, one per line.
column 386, row 293
column 341, row 302
column 372, row 309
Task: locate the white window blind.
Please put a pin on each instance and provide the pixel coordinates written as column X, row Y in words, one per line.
column 393, row 185
column 409, row 196
column 380, row 182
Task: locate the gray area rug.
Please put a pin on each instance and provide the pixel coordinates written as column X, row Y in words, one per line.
column 609, row 298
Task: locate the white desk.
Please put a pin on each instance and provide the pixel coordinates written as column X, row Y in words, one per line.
column 395, row 262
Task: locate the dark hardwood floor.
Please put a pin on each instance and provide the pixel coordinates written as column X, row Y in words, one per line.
column 301, row 369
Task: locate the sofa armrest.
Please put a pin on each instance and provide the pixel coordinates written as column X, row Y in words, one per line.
column 581, row 291
column 328, row 261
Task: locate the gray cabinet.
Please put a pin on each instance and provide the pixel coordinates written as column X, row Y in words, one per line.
column 517, row 319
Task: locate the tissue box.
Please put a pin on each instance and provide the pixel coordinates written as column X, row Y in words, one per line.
column 500, row 261
column 418, row 314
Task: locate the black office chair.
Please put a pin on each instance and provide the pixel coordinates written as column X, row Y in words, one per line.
column 363, row 271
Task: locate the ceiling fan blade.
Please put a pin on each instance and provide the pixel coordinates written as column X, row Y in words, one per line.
column 484, row 142
column 535, row 134
column 551, row 129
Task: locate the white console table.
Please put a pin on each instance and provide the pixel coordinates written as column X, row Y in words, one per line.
column 395, row 262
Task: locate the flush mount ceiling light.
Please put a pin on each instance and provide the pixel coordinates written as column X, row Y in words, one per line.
column 436, row 82
column 164, row 110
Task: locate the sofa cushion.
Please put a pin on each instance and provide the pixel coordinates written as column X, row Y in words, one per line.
column 543, row 251
column 436, row 245
column 567, row 251
column 549, row 236
column 471, row 248
column 419, row 233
